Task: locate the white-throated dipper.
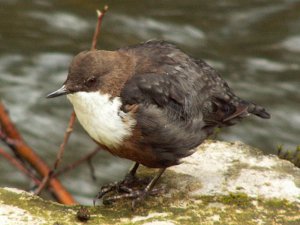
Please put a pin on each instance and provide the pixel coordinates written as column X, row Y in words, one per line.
column 150, row 103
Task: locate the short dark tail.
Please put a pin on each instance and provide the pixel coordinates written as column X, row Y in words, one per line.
column 226, row 112
column 258, row 111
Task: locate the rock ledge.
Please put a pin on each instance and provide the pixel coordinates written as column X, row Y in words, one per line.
column 222, row 183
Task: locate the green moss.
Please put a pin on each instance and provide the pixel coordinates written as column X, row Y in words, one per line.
column 240, row 199
column 276, row 203
column 226, row 209
column 174, row 203
column 291, row 155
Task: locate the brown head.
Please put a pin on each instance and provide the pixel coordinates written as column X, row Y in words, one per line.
column 92, row 71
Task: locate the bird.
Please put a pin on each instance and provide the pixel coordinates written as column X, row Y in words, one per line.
column 150, row 103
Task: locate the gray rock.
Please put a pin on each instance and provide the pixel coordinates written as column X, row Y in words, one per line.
column 222, row 183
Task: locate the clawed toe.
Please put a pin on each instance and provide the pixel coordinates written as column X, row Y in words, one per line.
column 130, row 188
column 124, row 192
column 104, row 190
column 118, row 187
column 111, row 199
column 137, row 196
column 139, row 199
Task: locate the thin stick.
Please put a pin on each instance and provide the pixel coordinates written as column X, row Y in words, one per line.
column 8, row 141
column 92, row 169
column 59, row 155
column 65, row 141
column 11, row 144
column 19, row 166
column 18, row 161
column 44, row 183
column 77, row 163
column 100, row 15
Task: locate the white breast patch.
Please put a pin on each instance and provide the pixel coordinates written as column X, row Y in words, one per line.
column 102, row 118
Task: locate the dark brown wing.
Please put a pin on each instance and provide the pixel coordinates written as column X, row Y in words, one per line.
column 166, row 87
column 163, row 116
column 181, row 100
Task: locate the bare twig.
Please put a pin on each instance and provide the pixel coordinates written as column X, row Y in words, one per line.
column 19, row 166
column 66, row 138
column 59, row 155
column 92, row 169
column 11, row 144
column 44, row 183
column 32, row 158
column 17, row 161
column 77, row 163
column 8, row 141
column 100, row 15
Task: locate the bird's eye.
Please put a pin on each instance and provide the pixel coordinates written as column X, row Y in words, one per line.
column 91, row 80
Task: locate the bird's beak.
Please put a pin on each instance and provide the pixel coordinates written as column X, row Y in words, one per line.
column 62, row 91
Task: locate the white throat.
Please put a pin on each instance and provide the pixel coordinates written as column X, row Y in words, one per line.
column 102, row 117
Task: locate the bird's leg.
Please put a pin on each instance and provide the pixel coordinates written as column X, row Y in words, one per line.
column 131, row 174
column 119, row 186
column 143, row 194
column 138, row 195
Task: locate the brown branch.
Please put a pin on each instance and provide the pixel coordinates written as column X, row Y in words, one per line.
column 65, row 141
column 11, row 144
column 8, row 141
column 77, row 163
column 17, row 161
column 44, row 183
column 100, row 15
column 19, row 166
column 32, row 158
column 7, row 125
column 59, row 155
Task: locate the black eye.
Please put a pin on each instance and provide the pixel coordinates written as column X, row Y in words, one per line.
column 91, row 80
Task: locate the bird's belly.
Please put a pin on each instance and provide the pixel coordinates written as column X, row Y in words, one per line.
column 102, row 118
column 115, row 130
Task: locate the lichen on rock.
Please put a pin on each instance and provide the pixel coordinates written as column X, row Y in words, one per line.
column 222, row 183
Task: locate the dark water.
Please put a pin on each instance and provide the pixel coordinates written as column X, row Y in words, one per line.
column 254, row 44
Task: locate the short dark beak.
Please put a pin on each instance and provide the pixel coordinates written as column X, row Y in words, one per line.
column 59, row 92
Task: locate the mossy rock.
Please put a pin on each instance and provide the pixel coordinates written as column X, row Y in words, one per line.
column 222, row 183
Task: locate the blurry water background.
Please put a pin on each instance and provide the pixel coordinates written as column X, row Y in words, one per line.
column 255, row 45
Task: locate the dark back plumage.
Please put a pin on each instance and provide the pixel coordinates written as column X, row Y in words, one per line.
column 181, row 100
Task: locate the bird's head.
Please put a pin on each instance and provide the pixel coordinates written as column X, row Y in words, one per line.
column 88, row 72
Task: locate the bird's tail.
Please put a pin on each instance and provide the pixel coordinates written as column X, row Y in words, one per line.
column 243, row 109
column 258, row 111
column 226, row 112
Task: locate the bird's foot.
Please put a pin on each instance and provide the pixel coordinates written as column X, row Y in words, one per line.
column 138, row 196
column 131, row 187
column 126, row 186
